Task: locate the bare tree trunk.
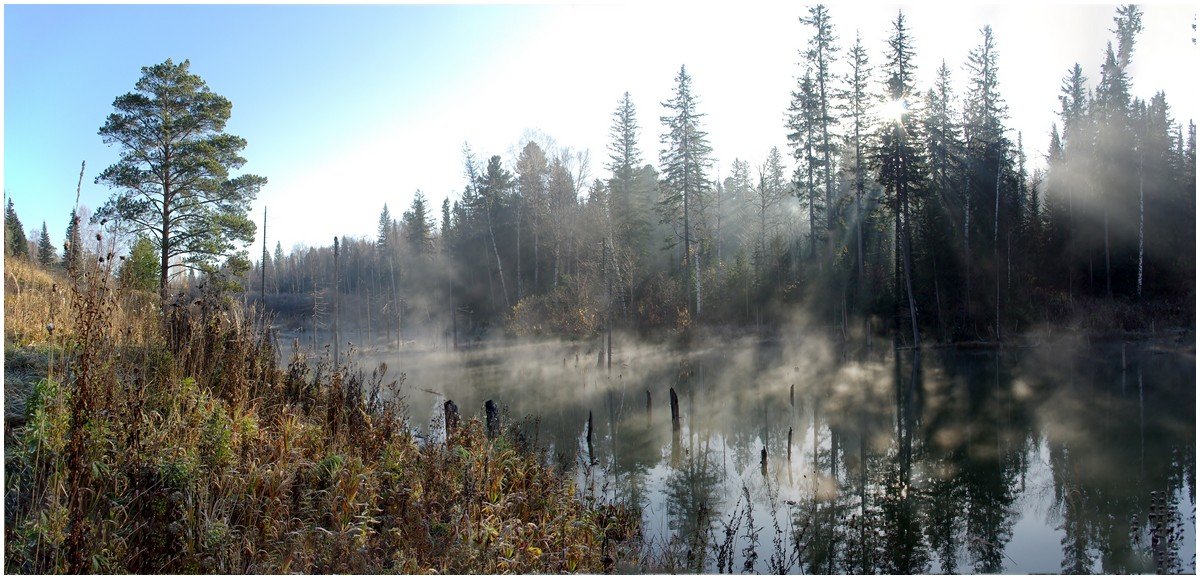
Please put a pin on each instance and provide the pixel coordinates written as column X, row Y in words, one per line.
column 719, row 240
column 696, row 270
column 608, row 299
column 336, row 341
column 996, row 248
column 519, row 204
column 912, row 304
column 496, row 250
column 968, row 256
column 687, row 238
column 1107, row 258
column 263, row 281
column 1141, row 221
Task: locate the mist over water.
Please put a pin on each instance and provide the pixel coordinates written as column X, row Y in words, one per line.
column 1061, row 457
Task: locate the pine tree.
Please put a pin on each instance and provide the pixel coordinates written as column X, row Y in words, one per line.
column 899, row 161
column 685, row 162
column 533, row 173
column 173, row 180
column 383, row 236
column 72, row 243
column 1071, row 179
column 493, row 186
column 802, row 127
column 860, row 100
column 625, row 158
column 417, row 225
column 821, row 56
column 1114, row 151
column 45, row 249
column 16, row 244
column 985, row 152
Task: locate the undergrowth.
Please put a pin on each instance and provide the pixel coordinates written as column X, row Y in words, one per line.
column 175, row 443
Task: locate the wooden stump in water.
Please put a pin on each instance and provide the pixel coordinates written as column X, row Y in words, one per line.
column 451, row 410
column 792, row 395
column 789, row 445
column 591, row 455
column 493, row 419
column 674, row 410
column 764, row 461
column 648, row 410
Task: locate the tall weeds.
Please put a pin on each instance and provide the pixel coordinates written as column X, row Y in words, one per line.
column 175, row 443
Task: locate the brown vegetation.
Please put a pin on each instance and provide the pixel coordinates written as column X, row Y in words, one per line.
column 176, row 444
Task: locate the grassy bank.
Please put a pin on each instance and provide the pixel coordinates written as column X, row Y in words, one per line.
column 144, row 444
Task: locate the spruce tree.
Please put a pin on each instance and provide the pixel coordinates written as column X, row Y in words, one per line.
column 45, row 249
column 802, row 128
column 383, row 236
column 16, row 244
column 417, row 224
column 899, row 162
column 821, row 56
column 628, row 213
column 860, row 100
column 685, row 162
column 72, row 243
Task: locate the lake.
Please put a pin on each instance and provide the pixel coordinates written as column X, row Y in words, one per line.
column 1064, row 456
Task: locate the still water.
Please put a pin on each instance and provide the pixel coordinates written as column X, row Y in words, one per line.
column 1068, row 456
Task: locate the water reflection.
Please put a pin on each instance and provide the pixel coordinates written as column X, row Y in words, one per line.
column 1066, row 458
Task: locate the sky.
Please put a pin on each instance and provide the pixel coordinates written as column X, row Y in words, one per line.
column 346, row 108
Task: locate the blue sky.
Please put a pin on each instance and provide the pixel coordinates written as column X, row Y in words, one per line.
column 306, row 81
column 346, row 108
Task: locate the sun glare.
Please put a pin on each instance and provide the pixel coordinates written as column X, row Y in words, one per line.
column 894, row 110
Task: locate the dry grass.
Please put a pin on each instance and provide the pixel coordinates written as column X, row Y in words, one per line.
column 178, row 445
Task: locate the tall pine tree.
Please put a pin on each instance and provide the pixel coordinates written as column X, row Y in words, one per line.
column 685, row 163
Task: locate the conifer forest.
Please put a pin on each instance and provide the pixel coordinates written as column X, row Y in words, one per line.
column 907, row 337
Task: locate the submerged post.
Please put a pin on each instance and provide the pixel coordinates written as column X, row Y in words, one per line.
column 451, row 410
column 674, row 411
column 764, row 461
column 789, row 445
column 648, row 408
column 493, row 419
column 792, row 395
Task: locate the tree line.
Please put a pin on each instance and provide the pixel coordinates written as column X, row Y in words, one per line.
column 893, row 207
column 911, row 208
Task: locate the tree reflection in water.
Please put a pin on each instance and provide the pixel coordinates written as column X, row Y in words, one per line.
column 1059, row 458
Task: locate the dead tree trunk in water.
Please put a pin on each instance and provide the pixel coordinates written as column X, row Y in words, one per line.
column 451, row 411
column 591, row 455
column 674, row 411
column 493, row 419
